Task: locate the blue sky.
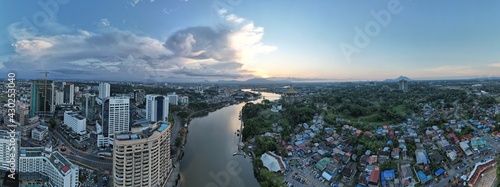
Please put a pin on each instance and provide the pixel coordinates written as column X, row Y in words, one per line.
column 191, row 40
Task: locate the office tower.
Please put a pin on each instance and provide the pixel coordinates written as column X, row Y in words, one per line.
column 403, row 85
column 156, row 107
column 104, row 90
column 6, row 150
column 69, row 93
column 40, row 163
column 173, row 99
column 42, row 100
column 142, row 157
column 77, row 89
column 115, row 118
column 76, row 122
column 59, row 97
column 89, row 107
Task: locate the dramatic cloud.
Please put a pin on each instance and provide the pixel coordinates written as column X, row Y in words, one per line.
column 203, row 52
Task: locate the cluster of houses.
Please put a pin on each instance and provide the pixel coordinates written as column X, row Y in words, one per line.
column 328, row 151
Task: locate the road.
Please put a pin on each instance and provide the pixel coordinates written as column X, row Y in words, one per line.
column 83, row 157
column 175, row 129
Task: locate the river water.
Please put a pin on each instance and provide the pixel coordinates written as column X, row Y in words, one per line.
column 208, row 155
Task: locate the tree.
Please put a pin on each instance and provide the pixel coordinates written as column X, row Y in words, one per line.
column 178, row 141
column 52, row 123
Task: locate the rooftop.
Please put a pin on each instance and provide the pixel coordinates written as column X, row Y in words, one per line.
column 142, row 131
column 75, row 115
column 55, row 158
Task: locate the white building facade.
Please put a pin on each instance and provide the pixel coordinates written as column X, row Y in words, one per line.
column 115, row 118
column 39, row 163
column 104, row 90
column 156, row 107
column 6, row 148
column 76, row 122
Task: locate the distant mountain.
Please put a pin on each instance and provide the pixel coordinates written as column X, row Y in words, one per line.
column 253, row 81
column 398, row 79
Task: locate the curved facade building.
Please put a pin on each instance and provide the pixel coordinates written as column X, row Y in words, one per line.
column 142, row 157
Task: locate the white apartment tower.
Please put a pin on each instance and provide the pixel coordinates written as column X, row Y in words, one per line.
column 115, row 118
column 403, row 85
column 59, row 97
column 142, row 157
column 173, row 99
column 104, row 90
column 156, row 107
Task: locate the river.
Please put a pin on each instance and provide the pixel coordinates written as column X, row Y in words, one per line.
column 208, row 155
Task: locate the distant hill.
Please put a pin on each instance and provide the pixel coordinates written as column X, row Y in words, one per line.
column 398, row 79
column 253, row 81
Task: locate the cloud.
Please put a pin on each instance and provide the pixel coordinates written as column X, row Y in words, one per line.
column 194, row 52
column 105, row 22
column 452, row 69
column 238, row 40
column 495, row 65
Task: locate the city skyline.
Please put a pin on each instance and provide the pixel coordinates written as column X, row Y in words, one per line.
column 183, row 41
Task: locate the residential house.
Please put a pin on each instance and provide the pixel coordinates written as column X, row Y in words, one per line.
column 374, row 178
column 406, row 174
column 373, row 160
column 395, row 153
column 421, row 157
column 349, row 171
column 383, row 154
column 435, row 157
column 363, row 160
column 321, row 165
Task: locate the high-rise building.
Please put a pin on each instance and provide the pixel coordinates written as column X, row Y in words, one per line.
column 59, row 97
column 40, row 163
column 115, row 118
column 156, row 107
column 403, row 85
column 139, row 96
column 142, row 157
column 173, row 99
column 89, row 108
column 42, row 98
column 104, row 90
column 22, row 113
column 69, row 93
column 76, row 122
column 6, row 150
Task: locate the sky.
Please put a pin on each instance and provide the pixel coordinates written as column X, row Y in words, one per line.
column 196, row 40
